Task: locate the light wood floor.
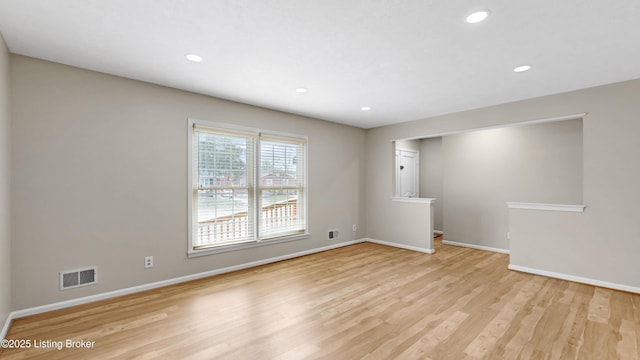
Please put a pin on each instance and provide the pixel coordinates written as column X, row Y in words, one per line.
column 363, row 301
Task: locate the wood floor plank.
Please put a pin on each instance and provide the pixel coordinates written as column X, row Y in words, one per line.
column 523, row 335
column 599, row 306
column 434, row 337
column 564, row 346
column 365, row 301
column 498, row 326
column 627, row 347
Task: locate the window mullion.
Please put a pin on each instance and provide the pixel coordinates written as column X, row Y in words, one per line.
column 257, row 188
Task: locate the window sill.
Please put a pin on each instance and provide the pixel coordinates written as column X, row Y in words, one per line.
column 242, row 246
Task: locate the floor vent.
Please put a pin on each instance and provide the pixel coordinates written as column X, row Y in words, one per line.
column 75, row 278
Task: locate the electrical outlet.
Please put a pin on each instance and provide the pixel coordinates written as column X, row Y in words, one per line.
column 148, row 262
column 332, row 234
column 354, row 227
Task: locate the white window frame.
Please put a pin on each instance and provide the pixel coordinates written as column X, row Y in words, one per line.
column 191, row 252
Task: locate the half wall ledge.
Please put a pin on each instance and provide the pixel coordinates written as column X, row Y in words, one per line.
column 545, row 207
column 414, row 200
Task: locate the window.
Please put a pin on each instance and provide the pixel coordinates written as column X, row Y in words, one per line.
column 247, row 187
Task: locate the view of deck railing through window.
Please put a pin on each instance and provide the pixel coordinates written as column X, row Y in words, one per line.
column 233, row 226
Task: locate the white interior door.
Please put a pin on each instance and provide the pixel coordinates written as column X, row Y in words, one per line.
column 407, row 170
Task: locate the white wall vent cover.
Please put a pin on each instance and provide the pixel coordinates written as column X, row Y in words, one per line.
column 70, row 279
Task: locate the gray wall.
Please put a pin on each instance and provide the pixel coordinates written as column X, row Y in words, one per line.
column 484, row 169
column 611, row 172
column 410, row 221
column 408, row 144
column 544, row 240
column 431, row 168
column 101, row 179
column 5, row 185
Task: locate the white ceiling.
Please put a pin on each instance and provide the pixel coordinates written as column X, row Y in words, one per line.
column 406, row 59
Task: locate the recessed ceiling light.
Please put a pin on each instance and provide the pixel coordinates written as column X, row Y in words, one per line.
column 522, row 68
column 477, row 16
column 194, row 57
column 365, row 108
column 301, row 90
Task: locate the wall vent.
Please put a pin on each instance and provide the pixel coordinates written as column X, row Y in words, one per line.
column 70, row 279
column 333, row 234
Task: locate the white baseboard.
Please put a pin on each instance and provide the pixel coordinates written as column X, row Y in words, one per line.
column 477, row 247
column 578, row 279
column 438, row 232
column 5, row 328
column 402, row 246
column 110, row 294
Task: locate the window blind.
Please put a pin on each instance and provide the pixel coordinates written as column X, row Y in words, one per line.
column 223, row 187
column 282, row 186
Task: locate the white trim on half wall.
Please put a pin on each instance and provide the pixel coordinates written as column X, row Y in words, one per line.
column 546, row 207
column 402, row 246
column 477, row 247
column 578, row 279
